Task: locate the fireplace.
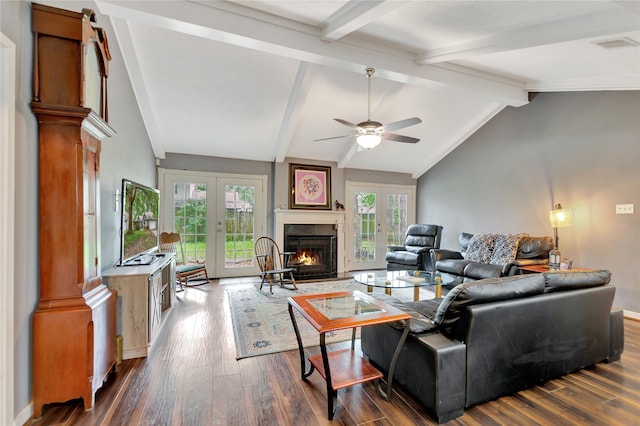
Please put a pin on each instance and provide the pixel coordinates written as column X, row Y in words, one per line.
column 315, row 247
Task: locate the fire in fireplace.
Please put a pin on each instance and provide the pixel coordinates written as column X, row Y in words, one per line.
column 315, row 248
column 306, row 258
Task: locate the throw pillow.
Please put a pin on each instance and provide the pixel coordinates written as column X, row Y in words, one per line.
column 506, row 248
column 480, row 248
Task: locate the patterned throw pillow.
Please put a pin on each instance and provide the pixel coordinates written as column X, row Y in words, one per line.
column 481, row 248
column 506, row 248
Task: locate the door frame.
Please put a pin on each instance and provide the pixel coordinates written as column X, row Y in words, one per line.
column 380, row 189
column 212, row 235
column 7, row 225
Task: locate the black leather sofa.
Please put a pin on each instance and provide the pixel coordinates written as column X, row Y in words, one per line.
column 531, row 251
column 494, row 337
column 414, row 254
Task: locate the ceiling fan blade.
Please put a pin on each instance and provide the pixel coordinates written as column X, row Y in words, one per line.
column 399, row 138
column 346, row 123
column 397, row 125
column 332, row 137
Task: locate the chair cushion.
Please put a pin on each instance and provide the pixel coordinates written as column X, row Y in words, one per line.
column 416, row 242
column 189, row 268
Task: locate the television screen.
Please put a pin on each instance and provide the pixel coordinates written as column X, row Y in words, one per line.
column 139, row 223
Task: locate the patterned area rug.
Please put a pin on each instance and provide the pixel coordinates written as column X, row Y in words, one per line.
column 261, row 322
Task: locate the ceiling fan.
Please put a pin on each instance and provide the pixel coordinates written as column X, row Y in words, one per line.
column 370, row 133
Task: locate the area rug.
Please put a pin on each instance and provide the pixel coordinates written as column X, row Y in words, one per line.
column 261, row 322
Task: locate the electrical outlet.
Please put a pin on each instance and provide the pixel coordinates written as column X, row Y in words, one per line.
column 624, row 208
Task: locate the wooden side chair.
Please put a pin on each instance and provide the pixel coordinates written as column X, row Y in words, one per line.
column 274, row 265
column 170, row 242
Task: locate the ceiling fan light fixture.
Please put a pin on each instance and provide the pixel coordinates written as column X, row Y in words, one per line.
column 368, row 141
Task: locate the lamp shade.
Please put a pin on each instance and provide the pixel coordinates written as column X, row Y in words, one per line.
column 368, row 141
column 560, row 217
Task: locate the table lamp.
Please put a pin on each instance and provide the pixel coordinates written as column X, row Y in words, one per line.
column 559, row 218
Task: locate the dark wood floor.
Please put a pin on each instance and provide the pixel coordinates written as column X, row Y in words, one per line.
column 192, row 378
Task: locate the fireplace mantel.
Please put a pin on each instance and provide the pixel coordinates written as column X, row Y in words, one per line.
column 333, row 217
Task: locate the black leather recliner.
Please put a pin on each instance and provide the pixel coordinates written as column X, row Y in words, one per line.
column 414, row 254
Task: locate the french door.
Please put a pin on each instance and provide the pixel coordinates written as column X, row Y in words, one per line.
column 218, row 217
column 377, row 216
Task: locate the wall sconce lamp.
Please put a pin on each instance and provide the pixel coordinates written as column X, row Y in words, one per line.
column 559, row 218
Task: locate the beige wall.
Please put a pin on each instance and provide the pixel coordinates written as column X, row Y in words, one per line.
column 579, row 149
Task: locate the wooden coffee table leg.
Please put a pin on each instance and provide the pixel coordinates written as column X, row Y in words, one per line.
column 416, row 294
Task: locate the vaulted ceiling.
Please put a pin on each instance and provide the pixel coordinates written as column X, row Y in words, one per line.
column 261, row 80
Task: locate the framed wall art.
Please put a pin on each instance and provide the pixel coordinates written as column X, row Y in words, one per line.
column 310, row 187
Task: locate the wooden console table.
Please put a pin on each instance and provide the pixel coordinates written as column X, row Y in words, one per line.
column 146, row 294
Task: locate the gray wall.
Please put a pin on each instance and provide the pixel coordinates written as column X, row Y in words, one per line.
column 128, row 154
column 278, row 176
column 338, row 179
column 579, row 149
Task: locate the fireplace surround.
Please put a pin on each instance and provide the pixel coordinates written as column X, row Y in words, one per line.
column 315, row 248
column 335, row 220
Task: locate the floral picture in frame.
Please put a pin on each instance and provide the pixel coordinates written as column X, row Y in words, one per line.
column 310, row 187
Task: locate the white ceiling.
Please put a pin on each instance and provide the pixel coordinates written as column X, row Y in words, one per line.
column 261, row 80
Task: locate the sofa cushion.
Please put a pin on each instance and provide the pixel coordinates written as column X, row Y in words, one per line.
column 481, row 248
column 419, row 323
column 506, row 248
column 567, row 280
column 452, row 266
column 485, row 291
column 480, row 271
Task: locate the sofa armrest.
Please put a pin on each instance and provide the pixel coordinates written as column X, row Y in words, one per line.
column 396, row 248
column 439, row 254
column 431, row 367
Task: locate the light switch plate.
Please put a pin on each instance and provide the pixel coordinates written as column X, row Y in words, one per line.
column 624, row 208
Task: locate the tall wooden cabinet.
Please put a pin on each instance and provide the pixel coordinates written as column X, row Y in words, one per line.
column 74, row 325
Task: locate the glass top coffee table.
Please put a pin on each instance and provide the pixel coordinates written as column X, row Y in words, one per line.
column 390, row 280
column 338, row 311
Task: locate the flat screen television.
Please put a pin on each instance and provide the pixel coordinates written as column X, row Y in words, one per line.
column 139, row 236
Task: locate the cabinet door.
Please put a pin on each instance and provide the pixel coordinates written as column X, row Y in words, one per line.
column 155, row 304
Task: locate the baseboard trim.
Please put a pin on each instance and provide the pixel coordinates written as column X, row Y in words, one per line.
column 24, row 415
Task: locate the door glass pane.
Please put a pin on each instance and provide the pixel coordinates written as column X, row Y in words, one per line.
column 239, row 225
column 365, row 227
column 396, row 218
column 190, row 212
